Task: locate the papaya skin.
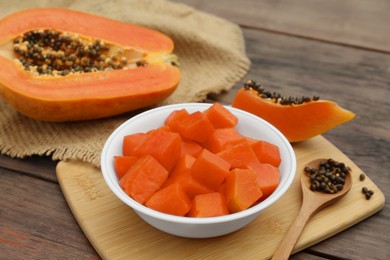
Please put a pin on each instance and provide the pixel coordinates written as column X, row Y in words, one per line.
column 92, row 95
column 297, row 122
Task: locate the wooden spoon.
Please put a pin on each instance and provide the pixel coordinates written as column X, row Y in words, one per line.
column 313, row 201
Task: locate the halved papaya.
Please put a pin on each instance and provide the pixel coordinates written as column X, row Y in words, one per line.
column 297, row 118
column 63, row 65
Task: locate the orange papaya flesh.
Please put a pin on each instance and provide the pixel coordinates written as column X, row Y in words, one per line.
column 146, row 77
column 144, row 178
column 163, row 145
column 210, row 169
column 122, row 164
column 242, row 190
column 223, row 138
column 220, row 116
column 267, row 152
column 182, row 166
column 196, row 127
column 170, row 200
column 190, row 148
column 172, row 120
column 267, row 177
column 297, row 122
column 239, row 155
column 190, row 185
column 182, row 174
column 131, row 141
column 208, row 205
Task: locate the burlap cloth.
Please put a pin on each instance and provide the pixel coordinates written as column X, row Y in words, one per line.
column 212, row 58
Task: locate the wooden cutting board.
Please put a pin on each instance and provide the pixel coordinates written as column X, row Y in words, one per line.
column 117, row 232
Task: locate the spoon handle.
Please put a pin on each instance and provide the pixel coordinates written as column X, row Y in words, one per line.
column 287, row 245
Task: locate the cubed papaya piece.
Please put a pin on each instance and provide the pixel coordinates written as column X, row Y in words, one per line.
column 267, row 152
column 191, row 186
column 241, row 189
column 210, row 169
column 122, row 164
column 164, row 146
column 223, row 138
column 208, row 205
column 131, row 141
column 220, row 116
column 267, row 177
column 174, row 117
column 144, row 178
column 195, row 127
column 190, row 147
column 182, row 174
column 183, row 166
column 239, row 155
column 170, row 200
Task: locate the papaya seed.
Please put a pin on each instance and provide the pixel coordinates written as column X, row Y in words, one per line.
column 140, row 63
column 326, row 178
column 277, row 97
column 57, row 53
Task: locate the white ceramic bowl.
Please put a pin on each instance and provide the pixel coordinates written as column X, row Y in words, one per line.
column 248, row 125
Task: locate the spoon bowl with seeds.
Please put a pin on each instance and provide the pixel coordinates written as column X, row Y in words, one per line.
column 323, row 182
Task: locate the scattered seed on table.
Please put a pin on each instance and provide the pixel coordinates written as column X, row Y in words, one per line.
column 368, row 196
column 368, row 193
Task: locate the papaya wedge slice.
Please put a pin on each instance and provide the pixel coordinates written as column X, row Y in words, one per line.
column 64, row 65
column 298, row 119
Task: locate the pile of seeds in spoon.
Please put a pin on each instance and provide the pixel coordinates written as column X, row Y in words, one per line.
column 329, row 177
column 48, row 52
column 277, row 97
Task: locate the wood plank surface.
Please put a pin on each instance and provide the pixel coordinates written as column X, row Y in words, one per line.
column 355, row 23
column 118, row 233
column 336, row 49
column 35, row 166
column 35, row 221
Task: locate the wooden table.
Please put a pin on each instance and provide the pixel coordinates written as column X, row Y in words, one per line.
column 339, row 50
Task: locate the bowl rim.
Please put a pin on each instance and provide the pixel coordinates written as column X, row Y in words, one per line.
column 139, row 208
